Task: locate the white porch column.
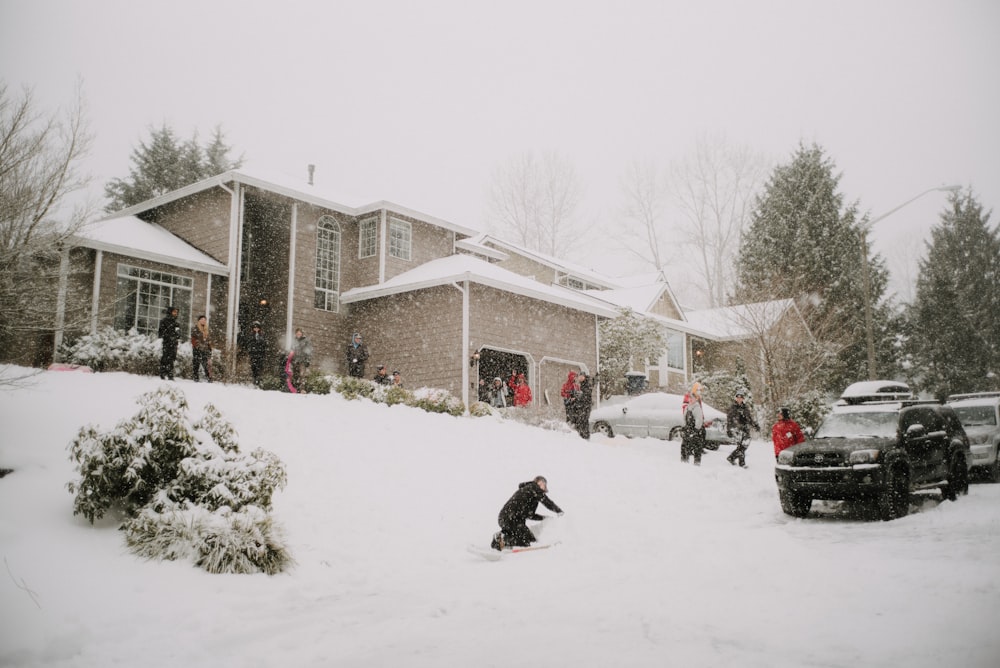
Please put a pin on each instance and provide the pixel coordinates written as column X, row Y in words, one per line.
column 290, row 309
column 95, row 293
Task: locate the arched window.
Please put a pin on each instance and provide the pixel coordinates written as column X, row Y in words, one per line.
column 328, row 264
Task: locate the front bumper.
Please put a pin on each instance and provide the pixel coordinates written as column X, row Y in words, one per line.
column 831, row 482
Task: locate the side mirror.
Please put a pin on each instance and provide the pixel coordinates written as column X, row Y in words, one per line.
column 808, row 432
column 916, row 431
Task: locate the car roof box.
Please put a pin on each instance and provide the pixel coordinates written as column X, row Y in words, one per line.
column 875, row 390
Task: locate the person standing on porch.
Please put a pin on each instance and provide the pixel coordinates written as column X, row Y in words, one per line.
column 357, row 354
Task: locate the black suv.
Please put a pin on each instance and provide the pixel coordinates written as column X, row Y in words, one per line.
column 877, row 452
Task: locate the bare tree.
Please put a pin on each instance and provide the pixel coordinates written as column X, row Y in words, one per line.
column 715, row 189
column 535, row 201
column 39, row 162
column 783, row 356
column 644, row 190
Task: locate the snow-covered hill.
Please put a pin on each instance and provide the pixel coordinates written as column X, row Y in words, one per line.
column 658, row 563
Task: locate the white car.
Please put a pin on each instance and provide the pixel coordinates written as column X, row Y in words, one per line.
column 980, row 415
column 656, row 415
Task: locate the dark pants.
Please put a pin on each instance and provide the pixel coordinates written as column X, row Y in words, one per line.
column 517, row 534
column 739, row 455
column 200, row 360
column 256, row 366
column 167, row 358
column 693, row 445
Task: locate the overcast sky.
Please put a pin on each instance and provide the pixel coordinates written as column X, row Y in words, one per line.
column 419, row 102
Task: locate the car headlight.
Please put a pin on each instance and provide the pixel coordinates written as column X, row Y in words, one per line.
column 864, row 457
column 786, row 457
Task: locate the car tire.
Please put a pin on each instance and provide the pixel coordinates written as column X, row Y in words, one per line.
column 795, row 504
column 603, row 428
column 993, row 471
column 958, row 480
column 676, row 434
column 893, row 499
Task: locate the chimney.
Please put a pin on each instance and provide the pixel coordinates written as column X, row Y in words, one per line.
column 312, row 170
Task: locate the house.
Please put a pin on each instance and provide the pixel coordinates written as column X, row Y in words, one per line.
column 433, row 299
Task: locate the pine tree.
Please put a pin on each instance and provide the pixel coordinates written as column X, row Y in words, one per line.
column 626, row 341
column 164, row 163
column 954, row 322
column 804, row 243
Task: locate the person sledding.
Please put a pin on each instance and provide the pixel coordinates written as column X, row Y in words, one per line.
column 520, row 508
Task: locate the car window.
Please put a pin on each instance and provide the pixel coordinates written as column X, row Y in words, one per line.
column 977, row 416
column 858, row 425
column 922, row 415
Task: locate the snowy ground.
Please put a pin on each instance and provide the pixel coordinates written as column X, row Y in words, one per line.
column 659, row 563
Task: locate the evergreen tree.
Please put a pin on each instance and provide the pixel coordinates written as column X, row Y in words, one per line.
column 804, row 243
column 164, row 163
column 954, row 322
column 626, row 341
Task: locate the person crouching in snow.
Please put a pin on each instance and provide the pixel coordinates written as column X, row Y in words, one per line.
column 520, row 508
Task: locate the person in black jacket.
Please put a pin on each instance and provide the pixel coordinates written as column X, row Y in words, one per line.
column 584, row 403
column 256, row 346
column 170, row 333
column 739, row 421
column 357, row 354
column 520, row 508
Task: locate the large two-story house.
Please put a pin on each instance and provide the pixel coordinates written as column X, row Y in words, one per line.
column 442, row 303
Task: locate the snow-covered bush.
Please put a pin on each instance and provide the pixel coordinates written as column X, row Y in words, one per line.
column 219, row 541
column 354, row 388
column 481, row 409
column 111, row 349
column 437, row 401
column 163, row 470
column 316, row 383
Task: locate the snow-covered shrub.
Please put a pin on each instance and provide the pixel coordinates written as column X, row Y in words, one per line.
column 437, row 401
column 393, row 395
column 159, row 463
column 316, row 383
column 114, row 350
column 220, row 541
column 481, row 409
column 354, row 388
column 125, row 467
column 111, row 349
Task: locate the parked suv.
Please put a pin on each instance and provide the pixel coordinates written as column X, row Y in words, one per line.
column 980, row 415
column 877, row 452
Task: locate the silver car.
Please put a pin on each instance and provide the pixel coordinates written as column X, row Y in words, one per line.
column 656, row 415
column 980, row 415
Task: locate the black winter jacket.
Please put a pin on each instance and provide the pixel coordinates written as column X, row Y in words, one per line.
column 523, row 505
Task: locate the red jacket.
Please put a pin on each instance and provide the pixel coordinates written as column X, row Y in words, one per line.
column 522, row 395
column 785, row 434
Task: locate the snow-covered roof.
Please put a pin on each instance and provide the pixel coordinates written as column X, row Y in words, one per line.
column 294, row 188
column 556, row 263
column 456, row 268
column 131, row 236
column 640, row 298
column 731, row 323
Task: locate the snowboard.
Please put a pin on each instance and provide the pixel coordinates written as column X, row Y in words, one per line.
column 490, row 554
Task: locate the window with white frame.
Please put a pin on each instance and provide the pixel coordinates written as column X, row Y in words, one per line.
column 143, row 295
column 400, row 239
column 368, row 238
column 675, row 350
column 327, row 295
